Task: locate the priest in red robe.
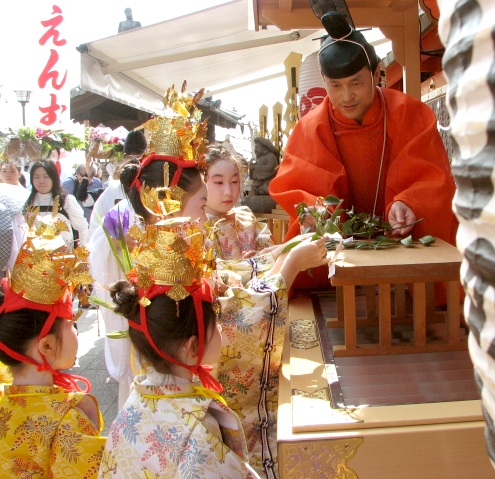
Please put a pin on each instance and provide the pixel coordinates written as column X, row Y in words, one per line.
column 377, row 149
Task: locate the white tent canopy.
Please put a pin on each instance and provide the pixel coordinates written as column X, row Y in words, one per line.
column 211, row 49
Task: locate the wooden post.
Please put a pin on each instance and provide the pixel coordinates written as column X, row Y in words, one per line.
column 263, row 118
column 292, row 67
column 276, row 136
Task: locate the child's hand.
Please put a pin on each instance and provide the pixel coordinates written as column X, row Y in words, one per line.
column 269, row 249
column 308, row 220
column 307, row 254
column 276, row 250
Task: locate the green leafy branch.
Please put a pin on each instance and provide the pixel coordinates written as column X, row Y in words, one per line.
column 349, row 225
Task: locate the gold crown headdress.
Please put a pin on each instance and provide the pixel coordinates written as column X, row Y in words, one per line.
column 172, row 260
column 179, row 131
column 43, row 275
column 177, row 137
column 44, row 268
column 170, row 253
column 162, row 201
column 43, row 278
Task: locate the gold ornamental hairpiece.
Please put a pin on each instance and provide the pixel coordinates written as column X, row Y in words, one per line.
column 179, row 131
column 45, row 269
column 172, row 253
column 162, row 201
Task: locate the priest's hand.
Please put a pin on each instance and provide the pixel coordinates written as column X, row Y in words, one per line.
column 399, row 216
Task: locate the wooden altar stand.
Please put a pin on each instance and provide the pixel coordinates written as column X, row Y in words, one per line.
column 379, row 407
column 388, row 277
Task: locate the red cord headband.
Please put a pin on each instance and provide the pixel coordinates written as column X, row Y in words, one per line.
column 199, row 292
column 179, row 161
column 62, row 309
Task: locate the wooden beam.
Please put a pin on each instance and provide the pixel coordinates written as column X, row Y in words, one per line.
column 304, row 18
column 412, row 74
column 285, row 5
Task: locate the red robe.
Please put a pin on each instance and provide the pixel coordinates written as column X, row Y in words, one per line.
column 328, row 154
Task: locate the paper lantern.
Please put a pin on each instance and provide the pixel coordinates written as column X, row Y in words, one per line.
column 311, row 87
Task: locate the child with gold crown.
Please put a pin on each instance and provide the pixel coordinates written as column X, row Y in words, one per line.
column 50, row 426
column 168, row 184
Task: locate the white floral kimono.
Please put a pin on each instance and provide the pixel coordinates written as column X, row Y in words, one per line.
column 172, row 428
column 238, row 273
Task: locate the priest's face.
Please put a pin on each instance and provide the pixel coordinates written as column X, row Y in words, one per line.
column 353, row 95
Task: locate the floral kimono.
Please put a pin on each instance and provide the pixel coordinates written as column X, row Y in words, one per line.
column 238, row 273
column 44, row 435
column 172, row 428
column 253, row 328
column 237, row 232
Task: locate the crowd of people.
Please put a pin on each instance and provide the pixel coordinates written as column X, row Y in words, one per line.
column 199, row 290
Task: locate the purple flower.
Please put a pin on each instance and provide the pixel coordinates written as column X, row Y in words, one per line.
column 111, row 222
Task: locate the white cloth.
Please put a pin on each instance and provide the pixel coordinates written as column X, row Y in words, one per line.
column 107, row 200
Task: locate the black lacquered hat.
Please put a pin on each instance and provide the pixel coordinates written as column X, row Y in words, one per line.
column 345, row 51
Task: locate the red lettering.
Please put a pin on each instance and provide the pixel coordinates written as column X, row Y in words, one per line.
column 52, row 24
column 50, row 112
column 48, row 73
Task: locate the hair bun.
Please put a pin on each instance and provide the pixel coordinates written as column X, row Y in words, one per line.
column 125, row 296
column 129, row 173
column 135, row 143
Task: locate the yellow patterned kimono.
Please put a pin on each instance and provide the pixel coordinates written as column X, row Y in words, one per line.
column 238, row 273
column 239, row 231
column 172, row 428
column 44, row 435
column 253, row 327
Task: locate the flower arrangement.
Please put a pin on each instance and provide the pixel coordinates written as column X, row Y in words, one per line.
column 44, row 142
column 105, row 143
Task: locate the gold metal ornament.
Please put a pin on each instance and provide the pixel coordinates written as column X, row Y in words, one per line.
column 179, row 131
column 44, row 274
column 171, row 253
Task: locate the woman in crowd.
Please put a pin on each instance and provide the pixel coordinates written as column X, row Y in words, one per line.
column 11, row 174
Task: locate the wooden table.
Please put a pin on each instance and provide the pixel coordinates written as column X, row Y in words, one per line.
column 385, row 274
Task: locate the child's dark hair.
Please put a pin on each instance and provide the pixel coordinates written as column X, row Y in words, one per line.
column 170, row 323
column 52, row 172
column 152, row 175
column 219, row 152
column 19, row 328
column 135, row 143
